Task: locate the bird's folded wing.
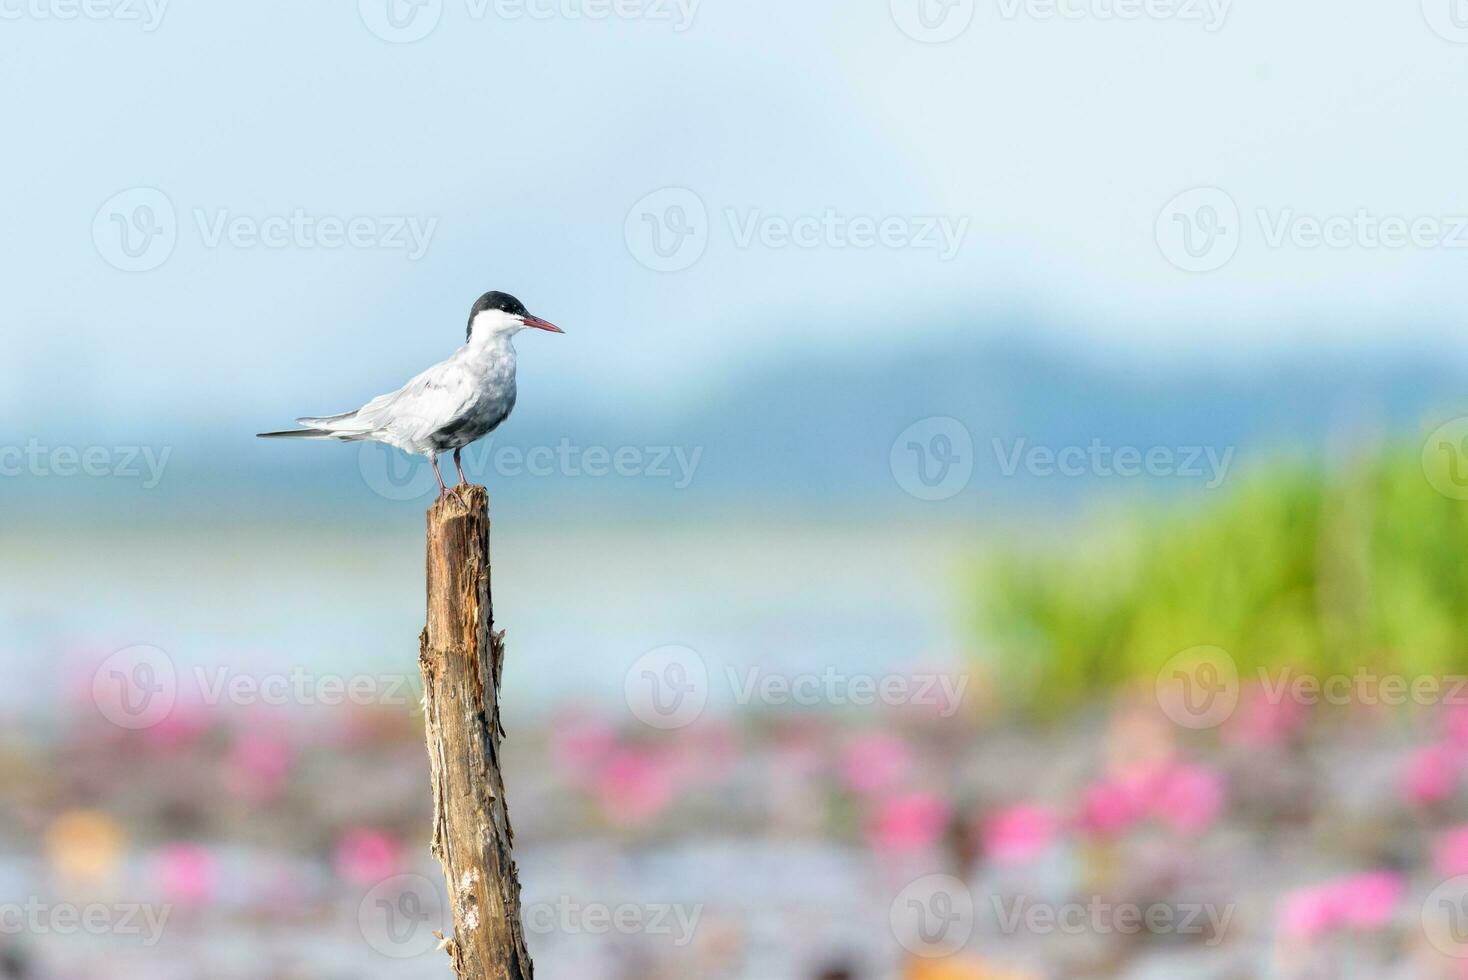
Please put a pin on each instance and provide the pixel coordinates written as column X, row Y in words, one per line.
column 424, row 405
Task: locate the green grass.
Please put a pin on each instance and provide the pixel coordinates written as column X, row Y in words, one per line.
column 1323, row 571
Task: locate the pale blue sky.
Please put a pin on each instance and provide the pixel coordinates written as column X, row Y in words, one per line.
column 1055, row 142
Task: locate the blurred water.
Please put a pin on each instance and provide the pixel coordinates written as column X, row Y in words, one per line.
column 580, row 604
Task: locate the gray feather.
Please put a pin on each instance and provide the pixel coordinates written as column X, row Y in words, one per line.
column 295, row 434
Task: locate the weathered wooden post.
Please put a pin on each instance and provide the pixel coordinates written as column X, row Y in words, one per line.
column 462, row 658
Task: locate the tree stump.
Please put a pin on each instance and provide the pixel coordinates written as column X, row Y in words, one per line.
column 462, row 657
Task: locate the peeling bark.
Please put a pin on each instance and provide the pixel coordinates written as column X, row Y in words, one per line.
column 462, row 659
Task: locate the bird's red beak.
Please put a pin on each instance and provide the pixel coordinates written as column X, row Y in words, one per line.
column 539, row 324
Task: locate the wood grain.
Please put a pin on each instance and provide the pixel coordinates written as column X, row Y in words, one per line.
column 462, row 660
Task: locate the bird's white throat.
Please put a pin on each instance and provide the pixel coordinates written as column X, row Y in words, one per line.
column 494, row 328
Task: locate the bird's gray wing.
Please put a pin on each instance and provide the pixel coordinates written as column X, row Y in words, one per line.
column 425, row 404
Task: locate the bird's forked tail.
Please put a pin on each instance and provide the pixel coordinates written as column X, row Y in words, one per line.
column 296, row 434
column 318, row 427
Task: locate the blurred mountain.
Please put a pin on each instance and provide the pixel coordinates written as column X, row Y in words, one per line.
column 812, row 433
column 826, row 426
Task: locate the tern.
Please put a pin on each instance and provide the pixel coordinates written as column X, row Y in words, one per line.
column 450, row 405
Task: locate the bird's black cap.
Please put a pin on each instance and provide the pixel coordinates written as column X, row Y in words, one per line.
column 495, row 301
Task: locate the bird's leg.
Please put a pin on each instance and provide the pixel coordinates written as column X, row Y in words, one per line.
column 459, row 466
column 443, row 491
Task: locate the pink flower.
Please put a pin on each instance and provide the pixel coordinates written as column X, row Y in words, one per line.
column 258, row 766
column 910, row 822
column 1108, row 808
column 186, row 873
column 1362, row 901
column 1450, row 852
column 182, row 728
column 1020, row 833
column 1262, row 720
column 633, row 786
column 1308, row 912
column 1432, row 774
column 1368, row 900
column 1183, row 796
column 1187, row 798
column 365, row 856
column 874, row 762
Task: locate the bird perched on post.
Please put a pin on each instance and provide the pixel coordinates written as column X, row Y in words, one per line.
column 452, row 404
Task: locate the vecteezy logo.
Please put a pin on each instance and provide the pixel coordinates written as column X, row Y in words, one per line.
column 1445, row 459
column 1199, row 230
column 135, row 687
column 399, row 916
column 933, row 459
column 1199, row 688
column 401, row 21
column 136, row 230
column 668, row 687
column 933, row 21
column 1445, row 917
column 933, row 916
column 1448, row 19
column 668, row 230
